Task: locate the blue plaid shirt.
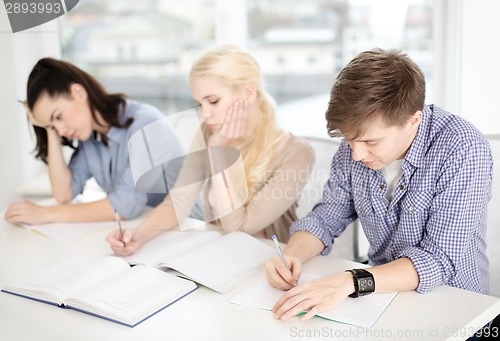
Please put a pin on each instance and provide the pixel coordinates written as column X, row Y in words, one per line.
column 437, row 217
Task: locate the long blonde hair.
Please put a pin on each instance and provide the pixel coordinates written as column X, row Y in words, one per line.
column 236, row 68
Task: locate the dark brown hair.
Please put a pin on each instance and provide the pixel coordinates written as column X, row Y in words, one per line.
column 55, row 78
column 376, row 83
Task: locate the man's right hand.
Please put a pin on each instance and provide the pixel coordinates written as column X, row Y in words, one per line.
column 278, row 274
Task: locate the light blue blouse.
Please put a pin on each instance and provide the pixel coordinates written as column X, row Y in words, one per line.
column 109, row 164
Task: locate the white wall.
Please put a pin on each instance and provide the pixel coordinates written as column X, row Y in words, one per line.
column 480, row 72
column 18, row 53
column 466, row 52
column 231, row 22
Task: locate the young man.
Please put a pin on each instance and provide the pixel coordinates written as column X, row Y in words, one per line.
column 417, row 177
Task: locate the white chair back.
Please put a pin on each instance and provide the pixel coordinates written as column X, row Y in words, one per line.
column 352, row 244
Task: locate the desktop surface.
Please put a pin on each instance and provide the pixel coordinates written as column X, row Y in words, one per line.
column 444, row 314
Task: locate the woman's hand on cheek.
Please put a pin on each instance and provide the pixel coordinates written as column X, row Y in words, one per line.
column 234, row 126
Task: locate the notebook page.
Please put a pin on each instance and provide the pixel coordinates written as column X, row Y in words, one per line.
column 223, row 263
column 362, row 311
column 169, row 245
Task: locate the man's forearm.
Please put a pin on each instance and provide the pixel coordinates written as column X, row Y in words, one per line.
column 304, row 245
column 398, row 275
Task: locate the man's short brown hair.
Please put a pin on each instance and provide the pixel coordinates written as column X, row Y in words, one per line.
column 378, row 83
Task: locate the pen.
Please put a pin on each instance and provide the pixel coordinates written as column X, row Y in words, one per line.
column 275, row 239
column 117, row 217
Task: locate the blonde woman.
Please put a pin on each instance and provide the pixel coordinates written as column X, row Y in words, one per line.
column 227, row 85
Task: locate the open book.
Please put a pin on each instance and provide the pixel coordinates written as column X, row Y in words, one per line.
column 362, row 311
column 104, row 286
column 210, row 258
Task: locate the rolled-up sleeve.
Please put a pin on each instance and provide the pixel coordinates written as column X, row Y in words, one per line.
column 125, row 198
column 108, row 161
column 80, row 172
column 335, row 211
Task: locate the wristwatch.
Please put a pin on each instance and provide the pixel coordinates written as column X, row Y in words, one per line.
column 364, row 283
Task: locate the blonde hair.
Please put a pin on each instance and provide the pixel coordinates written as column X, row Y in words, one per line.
column 236, row 68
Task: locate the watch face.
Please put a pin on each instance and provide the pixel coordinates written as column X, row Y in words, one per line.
column 365, row 284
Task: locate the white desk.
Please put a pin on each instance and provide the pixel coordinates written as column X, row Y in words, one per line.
column 206, row 315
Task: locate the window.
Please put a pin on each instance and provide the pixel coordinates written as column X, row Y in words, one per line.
column 319, row 37
column 141, row 48
column 146, row 48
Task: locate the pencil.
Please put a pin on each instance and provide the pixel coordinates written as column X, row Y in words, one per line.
column 117, row 217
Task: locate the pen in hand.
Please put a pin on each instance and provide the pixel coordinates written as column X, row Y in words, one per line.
column 275, row 239
column 117, row 217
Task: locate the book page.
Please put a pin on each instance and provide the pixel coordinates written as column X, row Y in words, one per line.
column 362, row 311
column 224, row 262
column 66, row 231
column 60, row 281
column 170, row 244
column 133, row 295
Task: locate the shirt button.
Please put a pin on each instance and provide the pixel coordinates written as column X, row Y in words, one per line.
column 401, row 187
column 382, row 186
column 411, row 208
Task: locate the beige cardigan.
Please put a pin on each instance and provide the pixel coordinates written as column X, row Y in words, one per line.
column 272, row 207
